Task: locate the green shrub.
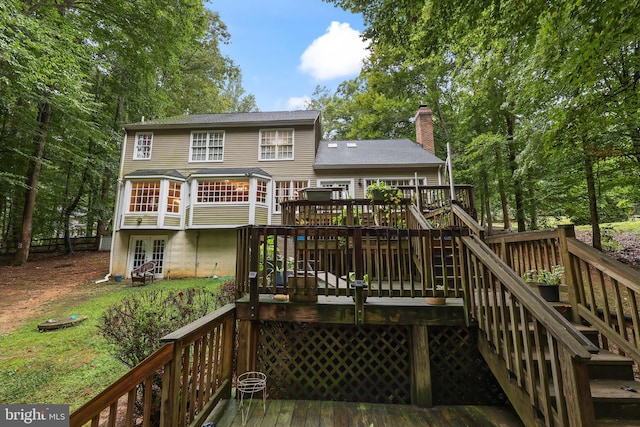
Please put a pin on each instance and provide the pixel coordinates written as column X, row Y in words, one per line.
column 133, row 327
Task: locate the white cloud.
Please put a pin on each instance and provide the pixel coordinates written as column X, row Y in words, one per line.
column 298, row 103
column 337, row 53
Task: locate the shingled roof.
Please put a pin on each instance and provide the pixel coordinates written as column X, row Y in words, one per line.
column 375, row 153
column 272, row 118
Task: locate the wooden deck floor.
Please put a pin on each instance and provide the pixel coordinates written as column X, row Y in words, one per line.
column 296, row 413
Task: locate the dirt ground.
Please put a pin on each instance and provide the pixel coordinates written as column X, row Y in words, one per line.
column 29, row 290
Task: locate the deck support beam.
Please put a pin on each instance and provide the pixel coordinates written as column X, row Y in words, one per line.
column 422, row 390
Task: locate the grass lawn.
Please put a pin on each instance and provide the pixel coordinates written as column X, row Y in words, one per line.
column 70, row 366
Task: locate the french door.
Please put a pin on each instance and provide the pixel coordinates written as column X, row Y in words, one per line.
column 148, row 248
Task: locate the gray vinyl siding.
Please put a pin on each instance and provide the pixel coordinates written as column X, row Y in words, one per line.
column 170, row 150
column 362, row 175
column 172, row 221
column 262, row 215
column 146, row 219
column 220, row 215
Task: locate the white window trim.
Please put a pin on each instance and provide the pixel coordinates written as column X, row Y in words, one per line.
column 277, row 209
column 135, row 146
column 208, row 132
column 328, row 182
column 293, row 145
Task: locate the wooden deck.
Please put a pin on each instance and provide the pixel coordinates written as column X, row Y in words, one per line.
column 282, row 413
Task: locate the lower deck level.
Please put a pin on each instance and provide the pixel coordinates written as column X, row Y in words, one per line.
column 284, row 413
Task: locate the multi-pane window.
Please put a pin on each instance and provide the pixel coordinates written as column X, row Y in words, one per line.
column 223, row 191
column 261, row 192
column 287, row 190
column 173, row 197
column 207, row 146
column 276, row 144
column 142, row 146
column 145, row 196
column 395, row 182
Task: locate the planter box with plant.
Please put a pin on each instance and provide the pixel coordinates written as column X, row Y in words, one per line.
column 547, row 281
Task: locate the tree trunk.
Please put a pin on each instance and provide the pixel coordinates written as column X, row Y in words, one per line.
column 487, row 203
column 72, row 206
column 504, row 200
column 33, row 176
column 517, row 182
column 593, row 202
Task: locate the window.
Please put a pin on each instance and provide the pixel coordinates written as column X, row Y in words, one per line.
column 173, row 197
column 207, row 146
column 276, row 144
column 395, row 182
column 261, row 192
column 145, row 196
column 287, row 190
column 142, row 147
column 223, row 191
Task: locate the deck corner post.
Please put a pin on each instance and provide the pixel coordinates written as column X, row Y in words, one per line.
column 565, row 232
column 254, row 296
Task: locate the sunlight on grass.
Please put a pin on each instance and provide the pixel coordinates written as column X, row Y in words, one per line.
column 70, row 366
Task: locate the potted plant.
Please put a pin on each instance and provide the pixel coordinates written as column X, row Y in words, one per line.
column 380, row 191
column 548, row 281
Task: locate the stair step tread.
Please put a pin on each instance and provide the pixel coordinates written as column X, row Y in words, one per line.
column 602, row 357
column 615, row 391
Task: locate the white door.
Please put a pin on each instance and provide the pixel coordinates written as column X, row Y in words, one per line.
column 147, row 248
column 346, row 186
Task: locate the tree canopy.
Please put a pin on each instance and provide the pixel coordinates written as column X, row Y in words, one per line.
column 70, row 74
column 539, row 98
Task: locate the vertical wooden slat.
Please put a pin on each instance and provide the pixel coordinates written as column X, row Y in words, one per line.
column 131, row 406
column 541, row 386
column 148, row 400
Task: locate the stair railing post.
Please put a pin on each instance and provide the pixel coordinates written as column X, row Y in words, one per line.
column 577, row 390
column 565, row 232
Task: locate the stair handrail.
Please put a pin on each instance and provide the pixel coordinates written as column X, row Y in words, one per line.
column 580, row 346
column 462, row 218
column 507, row 313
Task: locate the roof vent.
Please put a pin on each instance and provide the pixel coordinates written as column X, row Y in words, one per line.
column 351, row 145
column 332, row 145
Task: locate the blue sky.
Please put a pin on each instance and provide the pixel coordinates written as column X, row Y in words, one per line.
column 285, row 48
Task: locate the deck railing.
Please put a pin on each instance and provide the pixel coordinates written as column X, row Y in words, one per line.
column 601, row 291
column 346, row 212
column 517, row 330
column 392, row 262
column 433, row 197
column 178, row 385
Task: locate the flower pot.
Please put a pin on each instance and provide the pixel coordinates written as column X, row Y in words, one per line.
column 377, row 195
column 317, row 194
column 436, row 300
column 550, row 293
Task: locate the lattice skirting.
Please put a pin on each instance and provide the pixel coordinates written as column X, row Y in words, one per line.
column 370, row 364
column 459, row 374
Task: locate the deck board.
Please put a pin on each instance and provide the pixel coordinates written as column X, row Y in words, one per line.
column 296, row 413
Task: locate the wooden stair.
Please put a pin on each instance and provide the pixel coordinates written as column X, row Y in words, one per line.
column 614, row 390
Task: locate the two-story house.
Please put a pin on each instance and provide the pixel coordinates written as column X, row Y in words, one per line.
column 186, row 182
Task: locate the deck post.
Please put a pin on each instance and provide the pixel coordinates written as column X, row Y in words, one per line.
column 565, row 232
column 577, row 390
column 247, row 346
column 422, row 392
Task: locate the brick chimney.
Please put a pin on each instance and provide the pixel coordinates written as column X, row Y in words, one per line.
column 424, row 129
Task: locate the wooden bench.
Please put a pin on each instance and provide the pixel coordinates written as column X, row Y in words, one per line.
column 143, row 273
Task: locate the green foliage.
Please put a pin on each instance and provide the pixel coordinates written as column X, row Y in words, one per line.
column 552, row 277
column 134, row 326
column 385, row 192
